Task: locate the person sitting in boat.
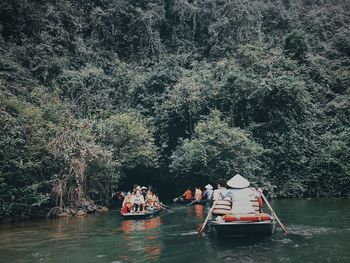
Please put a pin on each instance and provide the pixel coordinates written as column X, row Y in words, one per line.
column 150, row 200
column 187, row 195
column 208, row 194
column 127, row 203
column 138, row 202
column 144, row 191
column 136, row 188
column 221, row 192
column 241, row 195
column 258, row 196
column 198, row 194
column 157, row 204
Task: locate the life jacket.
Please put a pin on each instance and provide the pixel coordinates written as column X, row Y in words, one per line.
column 258, row 197
column 127, row 204
column 150, row 199
column 246, row 217
column 222, row 207
column 260, row 202
column 127, row 200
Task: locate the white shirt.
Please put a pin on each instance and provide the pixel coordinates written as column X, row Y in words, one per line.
column 241, row 200
column 137, row 200
column 218, row 193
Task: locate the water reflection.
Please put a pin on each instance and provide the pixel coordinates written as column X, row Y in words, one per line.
column 131, row 226
column 152, row 223
column 141, row 245
column 189, row 211
column 58, row 229
column 313, row 237
column 199, row 209
column 140, row 225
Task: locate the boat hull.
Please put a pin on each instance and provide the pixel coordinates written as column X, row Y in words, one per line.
column 139, row 216
column 263, row 228
column 188, row 202
column 202, row 202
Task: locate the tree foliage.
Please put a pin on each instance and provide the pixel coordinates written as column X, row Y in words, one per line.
column 94, row 93
column 216, row 150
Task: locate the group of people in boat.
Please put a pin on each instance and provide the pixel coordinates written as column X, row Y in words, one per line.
column 198, row 194
column 237, row 191
column 140, row 200
column 236, row 206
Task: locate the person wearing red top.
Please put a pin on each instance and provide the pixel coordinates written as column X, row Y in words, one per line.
column 187, row 195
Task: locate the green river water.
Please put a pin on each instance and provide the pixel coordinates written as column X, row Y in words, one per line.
column 320, row 232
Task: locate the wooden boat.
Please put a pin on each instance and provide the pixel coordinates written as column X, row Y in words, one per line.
column 201, row 202
column 227, row 224
column 240, row 212
column 141, row 215
column 245, row 227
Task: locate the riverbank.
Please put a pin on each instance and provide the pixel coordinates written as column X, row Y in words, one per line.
column 36, row 212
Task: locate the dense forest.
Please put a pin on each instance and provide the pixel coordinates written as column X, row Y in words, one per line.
column 99, row 94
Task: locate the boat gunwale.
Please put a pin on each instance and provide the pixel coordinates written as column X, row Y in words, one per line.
column 267, row 222
column 140, row 215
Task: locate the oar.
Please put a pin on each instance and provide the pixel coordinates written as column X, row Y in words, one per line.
column 163, row 205
column 193, row 202
column 274, row 214
column 176, row 199
column 208, row 216
column 166, row 208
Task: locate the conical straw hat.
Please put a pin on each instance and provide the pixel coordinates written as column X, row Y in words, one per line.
column 208, row 187
column 238, row 182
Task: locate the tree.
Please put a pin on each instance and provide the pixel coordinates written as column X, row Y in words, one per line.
column 217, row 150
column 130, row 138
column 25, row 160
column 296, row 45
column 75, row 148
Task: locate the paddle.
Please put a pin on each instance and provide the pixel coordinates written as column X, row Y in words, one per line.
column 274, row 214
column 166, row 208
column 193, row 202
column 206, row 220
column 163, row 205
column 177, row 199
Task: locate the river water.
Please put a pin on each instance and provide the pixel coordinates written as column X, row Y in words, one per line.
column 319, row 232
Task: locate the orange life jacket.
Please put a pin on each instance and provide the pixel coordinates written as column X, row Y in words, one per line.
column 150, row 199
column 127, row 200
column 187, row 195
column 246, row 217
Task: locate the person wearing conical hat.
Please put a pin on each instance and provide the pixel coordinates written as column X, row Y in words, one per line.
column 238, row 182
column 208, row 193
column 241, row 195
